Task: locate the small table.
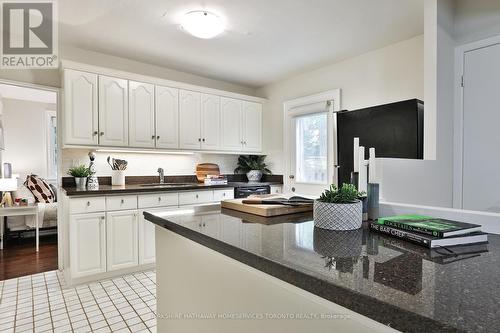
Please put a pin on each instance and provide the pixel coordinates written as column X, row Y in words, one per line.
column 19, row 211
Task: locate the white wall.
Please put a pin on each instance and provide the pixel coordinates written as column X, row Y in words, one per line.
column 475, row 20
column 386, row 75
column 147, row 164
column 25, row 136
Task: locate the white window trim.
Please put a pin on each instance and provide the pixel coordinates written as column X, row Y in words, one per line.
column 51, row 169
column 298, row 106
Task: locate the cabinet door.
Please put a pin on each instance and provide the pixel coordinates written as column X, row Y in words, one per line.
column 231, row 124
column 80, row 108
column 146, row 241
column 210, row 122
column 230, row 230
column 87, row 234
column 167, row 117
column 190, row 119
column 210, row 225
column 113, row 111
column 141, row 101
column 121, row 239
column 252, row 126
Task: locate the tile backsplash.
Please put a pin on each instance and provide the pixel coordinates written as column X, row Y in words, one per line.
column 141, row 164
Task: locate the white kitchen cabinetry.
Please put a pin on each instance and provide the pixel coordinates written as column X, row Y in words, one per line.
column 231, row 138
column 210, row 122
column 167, row 117
column 220, row 195
column 189, row 119
column 87, row 240
column 121, row 239
column 195, row 197
column 251, row 122
column 80, row 105
column 147, row 238
column 141, row 125
column 230, row 230
column 113, row 111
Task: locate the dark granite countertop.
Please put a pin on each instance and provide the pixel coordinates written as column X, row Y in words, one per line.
column 405, row 286
column 136, row 185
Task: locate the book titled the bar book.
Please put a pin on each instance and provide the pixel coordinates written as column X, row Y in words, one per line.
column 428, row 225
column 429, row 240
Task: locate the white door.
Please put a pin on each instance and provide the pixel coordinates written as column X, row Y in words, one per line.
column 252, row 126
column 167, row 117
column 87, row 234
column 481, row 134
column 121, row 239
column 80, row 108
column 231, row 132
column 141, row 101
column 310, row 150
column 189, row 119
column 146, row 240
column 210, row 122
column 113, row 111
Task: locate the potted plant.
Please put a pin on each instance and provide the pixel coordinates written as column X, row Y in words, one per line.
column 80, row 172
column 339, row 209
column 253, row 165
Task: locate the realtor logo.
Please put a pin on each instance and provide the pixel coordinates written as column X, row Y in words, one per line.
column 29, row 35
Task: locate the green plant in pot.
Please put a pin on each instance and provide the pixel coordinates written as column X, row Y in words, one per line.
column 80, row 172
column 339, row 208
column 253, row 165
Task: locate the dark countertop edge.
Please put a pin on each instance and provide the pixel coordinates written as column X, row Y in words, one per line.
column 73, row 191
column 370, row 307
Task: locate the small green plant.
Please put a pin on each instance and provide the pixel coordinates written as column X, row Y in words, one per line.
column 79, row 171
column 247, row 163
column 346, row 194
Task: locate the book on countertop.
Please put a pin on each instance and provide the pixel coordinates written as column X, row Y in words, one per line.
column 429, row 225
column 429, row 240
column 215, row 180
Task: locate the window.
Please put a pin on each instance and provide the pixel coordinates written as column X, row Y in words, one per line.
column 311, row 148
column 51, row 145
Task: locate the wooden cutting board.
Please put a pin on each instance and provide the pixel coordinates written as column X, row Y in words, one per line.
column 264, row 210
column 204, row 169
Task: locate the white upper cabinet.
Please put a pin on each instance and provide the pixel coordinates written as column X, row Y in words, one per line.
column 80, row 105
column 210, row 122
column 141, row 101
column 231, row 138
column 189, row 119
column 167, row 117
column 252, row 126
column 113, row 111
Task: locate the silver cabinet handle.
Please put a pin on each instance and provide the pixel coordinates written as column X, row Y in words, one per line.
column 157, row 137
column 95, row 133
column 203, row 139
column 123, row 201
column 197, row 196
column 199, row 139
column 102, row 133
column 223, row 194
column 153, row 137
column 88, row 203
column 159, row 198
column 204, row 224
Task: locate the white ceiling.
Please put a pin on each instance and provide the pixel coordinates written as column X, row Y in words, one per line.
column 27, row 94
column 265, row 40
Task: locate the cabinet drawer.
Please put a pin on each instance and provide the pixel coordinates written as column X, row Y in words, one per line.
column 87, row 205
column 121, row 202
column 158, row 200
column 220, row 195
column 197, row 197
column 276, row 189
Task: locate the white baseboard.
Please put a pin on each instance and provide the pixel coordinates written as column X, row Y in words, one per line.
column 489, row 221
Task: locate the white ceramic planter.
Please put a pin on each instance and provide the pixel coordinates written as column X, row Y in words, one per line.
column 254, row 175
column 118, row 177
column 335, row 216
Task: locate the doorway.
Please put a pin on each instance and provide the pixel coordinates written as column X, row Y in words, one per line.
column 28, row 168
column 310, row 143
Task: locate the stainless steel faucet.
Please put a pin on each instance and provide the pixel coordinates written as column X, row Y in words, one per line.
column 162, row 175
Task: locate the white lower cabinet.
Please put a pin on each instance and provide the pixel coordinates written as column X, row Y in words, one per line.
column 122, row 239
column 147, row 238
column 87, row 244
column 230, row 230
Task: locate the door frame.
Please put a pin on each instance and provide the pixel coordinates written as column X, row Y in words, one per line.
column 458, row 121
column 61, row 242
column 331, row 98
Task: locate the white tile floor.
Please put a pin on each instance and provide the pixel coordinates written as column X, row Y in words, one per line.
column 41, row 303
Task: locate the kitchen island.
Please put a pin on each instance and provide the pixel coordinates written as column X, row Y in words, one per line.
column 218, row 271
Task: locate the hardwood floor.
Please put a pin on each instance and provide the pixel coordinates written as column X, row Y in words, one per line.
column 20, row 259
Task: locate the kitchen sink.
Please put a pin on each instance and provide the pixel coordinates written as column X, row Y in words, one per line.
column 169, row 184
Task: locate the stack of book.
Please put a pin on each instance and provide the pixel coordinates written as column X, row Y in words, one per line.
column 430, row 232
column 215, row 180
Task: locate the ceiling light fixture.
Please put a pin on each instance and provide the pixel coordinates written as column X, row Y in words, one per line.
column 202, row 24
